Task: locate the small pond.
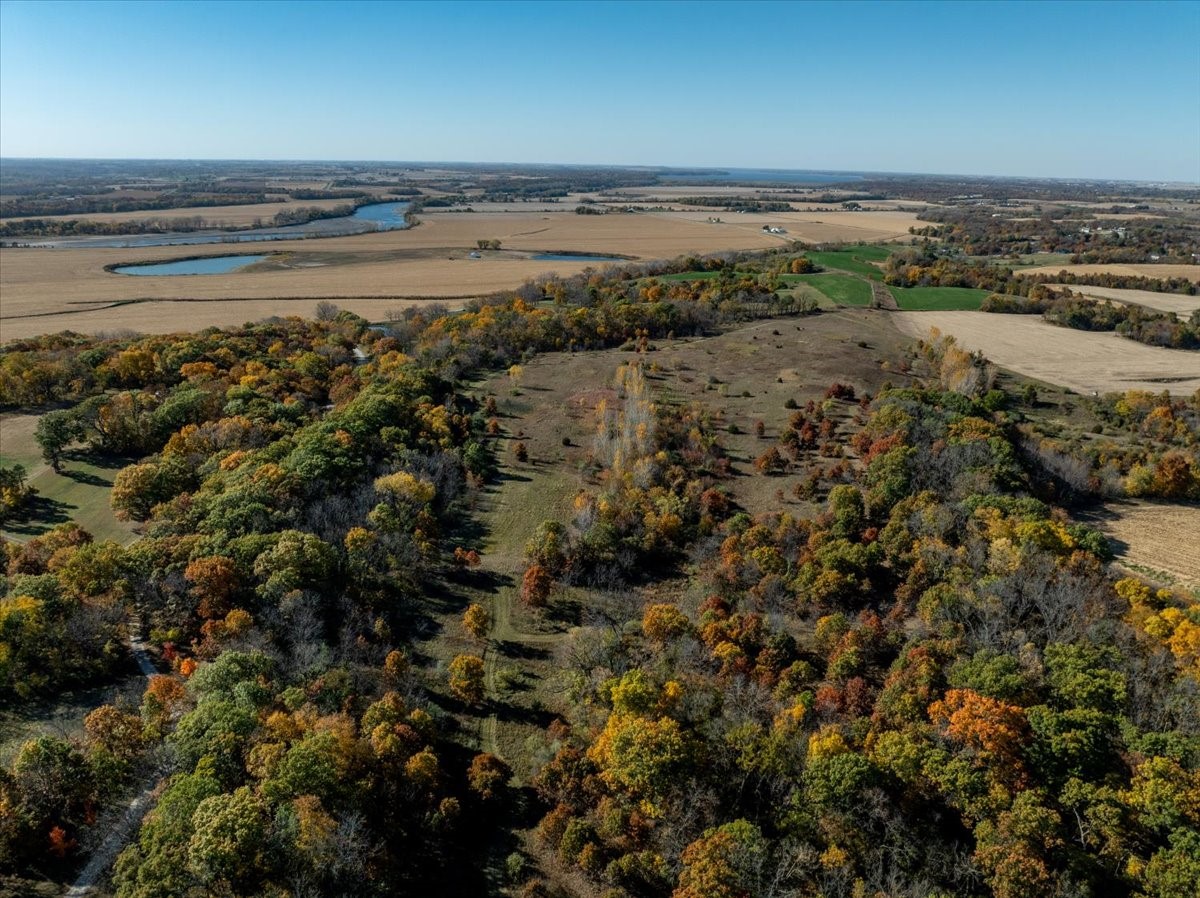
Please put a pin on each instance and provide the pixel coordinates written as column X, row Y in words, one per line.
column 207, row 265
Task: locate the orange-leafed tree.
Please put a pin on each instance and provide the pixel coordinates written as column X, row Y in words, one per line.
column 488, row 775
column 536, row 585
column 994, row 731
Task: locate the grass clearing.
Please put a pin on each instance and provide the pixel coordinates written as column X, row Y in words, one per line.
column 79, row 493
column 840, row 288
column 938, row 298
column 688, row 276
column 854, row 259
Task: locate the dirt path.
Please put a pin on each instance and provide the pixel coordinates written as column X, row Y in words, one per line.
column 122, row 830
column 126, row 826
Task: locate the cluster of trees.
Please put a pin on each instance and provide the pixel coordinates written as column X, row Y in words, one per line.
column 15, row 493
column 293, row 502
column 656, row 472
column 1143, row 444
column 1069, row 309
column 89, row 205
column 62, row 613
column 928, row 266
column 1082, row 237
column 930, row 688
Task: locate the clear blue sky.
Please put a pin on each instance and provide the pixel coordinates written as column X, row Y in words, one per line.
column 1064, row 90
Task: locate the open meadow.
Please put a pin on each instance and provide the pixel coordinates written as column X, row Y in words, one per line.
column 1085, row 361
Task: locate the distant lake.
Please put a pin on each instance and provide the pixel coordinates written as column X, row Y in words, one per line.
column 575, row 257
column 372, row 217
column 207, row 265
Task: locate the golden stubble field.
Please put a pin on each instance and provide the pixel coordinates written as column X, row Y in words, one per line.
column 1179, row 303
column 1138, row 269
column 47, row 290
column 1084, row 361
column 1151, row 537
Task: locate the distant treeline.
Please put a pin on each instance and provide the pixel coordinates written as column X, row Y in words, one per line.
column 91, row 205
column 55, row 227
column 736, row 203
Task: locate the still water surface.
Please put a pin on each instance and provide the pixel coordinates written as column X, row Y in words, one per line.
column 207, row 265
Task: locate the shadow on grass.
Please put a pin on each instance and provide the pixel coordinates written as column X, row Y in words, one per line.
column 521, row 650
column 39, row 515
column 97, row 459
column 85, row 477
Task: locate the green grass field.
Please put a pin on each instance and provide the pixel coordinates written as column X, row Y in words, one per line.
column 689, row 276
column 925, row 299
column 79, row 493
column 1026, row 261
column 854, row 259
column 841, row 288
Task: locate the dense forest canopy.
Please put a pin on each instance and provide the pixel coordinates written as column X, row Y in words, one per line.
column 931, row 685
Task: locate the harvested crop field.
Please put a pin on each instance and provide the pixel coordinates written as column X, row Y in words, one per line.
column 1151, row 538
column 1084, row 361
column 1179, row 303
column 47, row 290
column 167, row 316
column 1191, row 272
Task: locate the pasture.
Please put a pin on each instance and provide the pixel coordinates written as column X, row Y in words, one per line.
column 1085, row 361
column 854, row 259
column 914, row 299
column 842, row 289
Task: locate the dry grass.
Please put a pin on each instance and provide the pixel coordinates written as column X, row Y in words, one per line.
column 1181, row 304
column 46, row 290
column 757, row 368
column 1082, row 360
column 1148, row 538
column 1191, row 272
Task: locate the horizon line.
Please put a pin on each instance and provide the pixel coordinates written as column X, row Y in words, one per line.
column 621, row 166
